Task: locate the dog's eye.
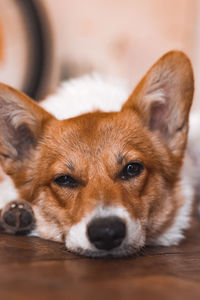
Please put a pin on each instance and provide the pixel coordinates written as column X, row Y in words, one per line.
column 66, row 181
column 131, row 170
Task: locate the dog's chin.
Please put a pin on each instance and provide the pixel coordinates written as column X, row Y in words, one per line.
column 125, row 251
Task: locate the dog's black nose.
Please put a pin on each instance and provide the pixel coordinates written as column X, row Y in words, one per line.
column 106, row 233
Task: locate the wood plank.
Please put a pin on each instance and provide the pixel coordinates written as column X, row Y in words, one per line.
column 32, row 268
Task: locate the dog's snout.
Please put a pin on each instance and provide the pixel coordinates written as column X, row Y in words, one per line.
column 106, row 233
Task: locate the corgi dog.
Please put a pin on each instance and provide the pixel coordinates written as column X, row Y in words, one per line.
column 111, row 180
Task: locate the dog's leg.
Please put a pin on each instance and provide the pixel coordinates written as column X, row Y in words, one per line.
column 17, row 217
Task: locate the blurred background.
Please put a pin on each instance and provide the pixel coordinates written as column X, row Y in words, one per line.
column 43, row 42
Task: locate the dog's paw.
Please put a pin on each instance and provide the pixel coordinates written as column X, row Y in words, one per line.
column 17, row 217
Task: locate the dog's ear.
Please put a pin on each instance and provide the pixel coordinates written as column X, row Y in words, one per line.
column 163, row 99
column 21, row 123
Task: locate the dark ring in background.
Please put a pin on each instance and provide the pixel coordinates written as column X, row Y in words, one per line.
column 39, row 65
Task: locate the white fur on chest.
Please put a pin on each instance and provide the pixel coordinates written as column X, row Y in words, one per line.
column 8, row 192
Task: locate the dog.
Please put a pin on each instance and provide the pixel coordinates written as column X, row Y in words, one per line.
column 115, row 178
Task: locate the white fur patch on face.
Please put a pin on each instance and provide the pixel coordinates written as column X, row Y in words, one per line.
column 8, row 190
column 77, row 240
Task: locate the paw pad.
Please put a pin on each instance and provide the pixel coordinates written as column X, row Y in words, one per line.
column 17, row 217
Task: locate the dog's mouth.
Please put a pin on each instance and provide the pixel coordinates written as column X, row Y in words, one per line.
column 108, row 232
column 119, row 252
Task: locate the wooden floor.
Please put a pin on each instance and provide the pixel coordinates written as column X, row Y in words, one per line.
column 31, row 268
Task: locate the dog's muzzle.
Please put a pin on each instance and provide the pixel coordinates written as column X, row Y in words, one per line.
column 106, row 233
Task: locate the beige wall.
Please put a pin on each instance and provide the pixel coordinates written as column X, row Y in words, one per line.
column 123, row 37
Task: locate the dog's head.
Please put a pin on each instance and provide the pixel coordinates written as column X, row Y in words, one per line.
column 105, row 183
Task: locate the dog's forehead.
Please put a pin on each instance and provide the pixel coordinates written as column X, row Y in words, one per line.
column 99, row 124
column 96, row 135
column 99, row 128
